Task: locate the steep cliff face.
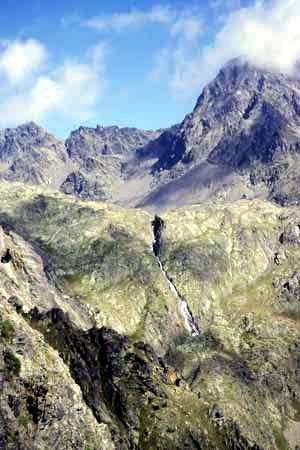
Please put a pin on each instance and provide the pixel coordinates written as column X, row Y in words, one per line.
column 41, row 406
column 88, row 304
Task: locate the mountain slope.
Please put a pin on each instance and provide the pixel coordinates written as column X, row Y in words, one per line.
column 41, row 406
column 100, row 155
column 235, row 385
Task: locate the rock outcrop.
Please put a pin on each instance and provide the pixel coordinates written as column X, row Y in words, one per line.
column 40, row 404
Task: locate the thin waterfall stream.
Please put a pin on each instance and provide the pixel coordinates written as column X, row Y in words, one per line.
column 158, row 226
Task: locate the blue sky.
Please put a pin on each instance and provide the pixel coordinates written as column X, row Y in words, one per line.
column 131, row 63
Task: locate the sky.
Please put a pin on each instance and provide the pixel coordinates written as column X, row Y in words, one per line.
column 67, row 63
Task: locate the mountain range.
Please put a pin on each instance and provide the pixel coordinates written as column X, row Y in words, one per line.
column 150, row 280
column 241, row 140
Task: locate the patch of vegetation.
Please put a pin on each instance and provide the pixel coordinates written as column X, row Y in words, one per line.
column 249, row 338
column 204, row 260
column 24, row 421
column 7, row 330
column 12, row 363
column 281, row 442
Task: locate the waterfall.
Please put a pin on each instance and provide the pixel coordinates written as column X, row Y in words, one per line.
column 183, row 306
column 158, row 226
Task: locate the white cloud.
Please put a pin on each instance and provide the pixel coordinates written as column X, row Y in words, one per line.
column 185, row 32
column 267, row 34
column 159, row 14
column 18, row 59
column 69, row 91
column 178, row 22
column 188, row 26
column 161, row 65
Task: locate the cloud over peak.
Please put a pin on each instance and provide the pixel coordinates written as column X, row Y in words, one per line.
column 267, row 34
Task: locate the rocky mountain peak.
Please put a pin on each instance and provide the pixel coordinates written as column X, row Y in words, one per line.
column 29, row 153
column 26, row 134
column 31, row 127
column 239, row 75
column 245, row 113
column 232, row 76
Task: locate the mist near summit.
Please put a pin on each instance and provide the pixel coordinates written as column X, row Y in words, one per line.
column 267, row 34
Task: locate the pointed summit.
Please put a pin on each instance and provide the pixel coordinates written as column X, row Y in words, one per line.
column 244, row 114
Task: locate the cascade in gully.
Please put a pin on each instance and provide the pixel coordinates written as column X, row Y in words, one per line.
column 158, row 226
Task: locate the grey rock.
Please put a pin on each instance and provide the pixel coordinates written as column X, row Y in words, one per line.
column 29, row 154
column 3, row 247
column 291, row 234
column 78, row 184
column 87, row 142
